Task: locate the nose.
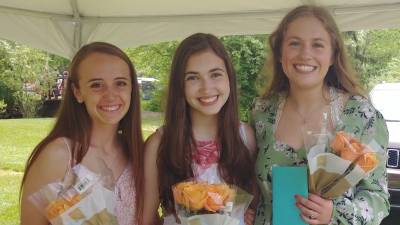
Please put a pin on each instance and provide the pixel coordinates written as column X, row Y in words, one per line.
column 206, row 85
column 305, row 51
column 109, row 93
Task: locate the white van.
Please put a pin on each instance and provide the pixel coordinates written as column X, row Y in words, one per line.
column 386, row 98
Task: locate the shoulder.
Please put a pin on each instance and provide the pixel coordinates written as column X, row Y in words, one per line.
column 249, row 134
column 362, row 107
column 362, row 114
column 153, row 142
column 50, row 165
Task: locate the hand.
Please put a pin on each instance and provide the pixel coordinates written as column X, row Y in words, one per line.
column 249, row 216
column 315, row 209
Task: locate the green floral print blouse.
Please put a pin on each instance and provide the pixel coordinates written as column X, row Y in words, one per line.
column 364, row 204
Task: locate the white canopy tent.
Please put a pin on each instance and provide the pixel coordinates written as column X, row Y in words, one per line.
column 62, row 26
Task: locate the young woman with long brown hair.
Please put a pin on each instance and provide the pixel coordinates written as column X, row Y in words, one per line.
column 202, row 134
column 99, row 116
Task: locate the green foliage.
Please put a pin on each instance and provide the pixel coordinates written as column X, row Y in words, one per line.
column 248, row 56
column 3, row 106
column 154, row 61
column 374, row 54
column 25, row 74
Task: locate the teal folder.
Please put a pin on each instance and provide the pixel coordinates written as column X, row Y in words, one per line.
column 287, row 182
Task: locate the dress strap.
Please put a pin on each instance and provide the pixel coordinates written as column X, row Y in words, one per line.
column 281, row 103
column 242, row 134
column 71, row 161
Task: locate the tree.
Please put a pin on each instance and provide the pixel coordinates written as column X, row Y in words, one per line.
column 372, row 52
column 154, row 61
column 248, row 56
column 25, row 73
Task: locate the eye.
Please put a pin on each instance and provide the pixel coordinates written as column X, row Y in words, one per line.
column 294, row 43
column 190, row 77
column 121, row 83
column 318, row 45
column 216, row 75
column 96, row 85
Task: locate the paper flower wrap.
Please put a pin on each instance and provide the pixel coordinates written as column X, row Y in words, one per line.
column 208, row 204
column 338, row 162
column 82, row 198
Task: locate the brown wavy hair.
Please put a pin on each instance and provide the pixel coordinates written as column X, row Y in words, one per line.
column 340, row 74
column 177, row 143
column 73, row 121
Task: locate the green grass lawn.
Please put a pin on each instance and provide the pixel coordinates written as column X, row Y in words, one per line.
column 18, row 138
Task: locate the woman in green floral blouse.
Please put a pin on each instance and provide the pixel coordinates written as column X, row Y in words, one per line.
column 310, row 74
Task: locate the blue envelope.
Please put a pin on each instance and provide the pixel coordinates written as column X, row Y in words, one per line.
column 287, row 182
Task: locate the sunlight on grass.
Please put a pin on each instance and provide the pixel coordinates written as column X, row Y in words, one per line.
column 9, row 187
column 18, row 138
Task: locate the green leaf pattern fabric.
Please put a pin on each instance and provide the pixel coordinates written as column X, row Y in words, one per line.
column 364, row 204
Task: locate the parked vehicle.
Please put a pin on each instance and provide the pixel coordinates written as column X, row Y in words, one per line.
column 385, row 98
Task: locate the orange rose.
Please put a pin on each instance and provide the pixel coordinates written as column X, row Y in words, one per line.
column 191, row 195
column 339, row 142
column 368, row 161
column 350, row 148
column 59, row 206
column 177, row 191
column 196, row 196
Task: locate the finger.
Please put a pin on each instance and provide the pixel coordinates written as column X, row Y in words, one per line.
column 309, row 220
column 251, row 212
column 307, row 203
column 249, row 220
column 307, row 212
column 316, row 199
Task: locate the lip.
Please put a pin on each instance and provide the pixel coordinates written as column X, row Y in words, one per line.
column 304, row 68
column 209, row 100
column 110, row 108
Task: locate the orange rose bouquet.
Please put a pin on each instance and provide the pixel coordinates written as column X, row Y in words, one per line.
column 81, row 198
column 339, row 161
column 204, row 203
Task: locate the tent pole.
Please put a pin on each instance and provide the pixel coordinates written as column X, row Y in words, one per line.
column 77, row 26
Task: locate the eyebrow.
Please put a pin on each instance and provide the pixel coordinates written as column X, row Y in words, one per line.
column 99, row 79
column 210, row 71
column 314, row 39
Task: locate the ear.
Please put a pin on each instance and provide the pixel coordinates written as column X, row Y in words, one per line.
column 77, row 94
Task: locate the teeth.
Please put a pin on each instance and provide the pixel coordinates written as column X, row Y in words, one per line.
column 305, row 68
column 208, row 99
column 110, row 108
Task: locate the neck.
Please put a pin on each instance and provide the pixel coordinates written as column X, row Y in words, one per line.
column 204, row 127
column 307, row 100
column 104, row 137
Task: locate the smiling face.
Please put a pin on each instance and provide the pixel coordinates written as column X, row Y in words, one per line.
column 206, row 83
column 306, row 53
column 105, row 87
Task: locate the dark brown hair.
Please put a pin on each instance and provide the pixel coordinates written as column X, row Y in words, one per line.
column 73, row 120
column 174, row 159
column 340, row 74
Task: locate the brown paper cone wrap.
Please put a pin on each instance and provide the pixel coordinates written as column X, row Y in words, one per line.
column 329, row 177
